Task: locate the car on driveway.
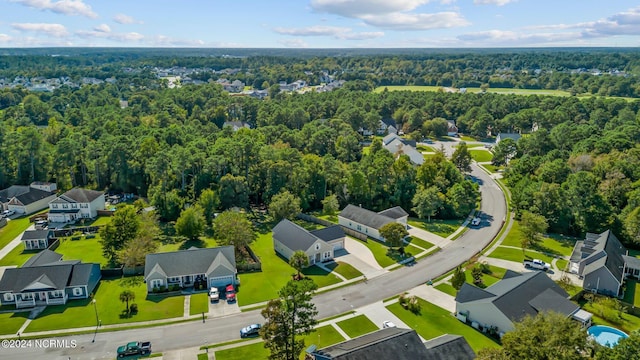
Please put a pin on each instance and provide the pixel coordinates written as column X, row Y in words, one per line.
column 214, row 294
column 251, row 330
column 230, row 293
column 8, row 213
column 388, row 324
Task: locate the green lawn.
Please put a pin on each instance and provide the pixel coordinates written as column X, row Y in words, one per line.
column 101, row 220
column 470, row 146
column 517, row 256
column 628, row 324
column 553, row 243
column 439, row 227
column 467, row 138
column 203, row 242
column 481, row 155
column 344, row 269
column 561, row 264
column 87, row 250
column 262, row 286
column 425, row 148
column 321, row 337
column 17, row 256
column 632, row 293
column 11, row 322
column 492, row 168
column 419, row 242
column 434, row 321
column 13, row 229
column 330, row 218
column 383, row 255
column 487, row 279
column 447, row 288
column 199, row 304
column 357, row 326
column 80, row 313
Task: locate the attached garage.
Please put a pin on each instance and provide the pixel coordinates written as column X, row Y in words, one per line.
column 221, row 281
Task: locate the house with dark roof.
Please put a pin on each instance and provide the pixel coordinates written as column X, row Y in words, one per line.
column 319, row 245
column 512, row 298
column 46, row 279
column 400, row 146
column 210, row 267
column 23, row 199
column 601, row 261
column 395, row 343
column 513, row 136
column 75, row 204
column 37, row 239
column 452, row 129
column 369, row 222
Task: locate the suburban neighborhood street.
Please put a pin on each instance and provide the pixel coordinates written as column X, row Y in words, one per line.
column 216, row 330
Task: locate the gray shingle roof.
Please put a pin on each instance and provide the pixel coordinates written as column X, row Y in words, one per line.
column 631, row 261
column 329, row 234
column 50, row 277
column 192, row 261
column 44, row 257
column 389, row 343
column 395, row 212
column 12, row 191
column 550, row 300
column 35, row 234
column 293, row 236
column 79, row 195
column 449, row 347
column 469, row 292
column 81, row 273
column 365, row 217
column 596, row 247
column 33, row 195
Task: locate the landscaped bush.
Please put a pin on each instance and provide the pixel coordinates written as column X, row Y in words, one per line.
column 485, row 268
column 133, row 309
column 174, row 287
column 410, row 303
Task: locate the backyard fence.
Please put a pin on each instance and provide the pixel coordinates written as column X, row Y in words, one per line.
column 133, row 270
column 70, row 231
column 105, row 212
column 112, row 272
column 54, row 244
column 250, row 267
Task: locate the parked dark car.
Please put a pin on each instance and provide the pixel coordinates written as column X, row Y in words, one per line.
column 251, row 330
column 135, row 348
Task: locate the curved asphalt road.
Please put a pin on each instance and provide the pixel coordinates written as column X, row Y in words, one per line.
column 331, row 303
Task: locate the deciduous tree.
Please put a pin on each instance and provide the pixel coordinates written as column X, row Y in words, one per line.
column 233, row 228
column 426, row 202
column 299, row 260
column 458, row 279
column 394, row 234
column 191, row 222
column 284, row 205
column 330, row 204
column 123, row 227
column 461, row 158
column 209, row 202
column 532, row 227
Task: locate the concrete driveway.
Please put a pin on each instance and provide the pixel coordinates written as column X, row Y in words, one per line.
column 519, row 267
column 222, row 308
column 360, row 257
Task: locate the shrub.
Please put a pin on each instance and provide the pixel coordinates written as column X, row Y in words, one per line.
column 414, row 305
column 133, row 309
column 476, row 273
column 485, row 268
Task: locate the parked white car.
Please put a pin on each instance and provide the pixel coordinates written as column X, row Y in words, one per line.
column 388, row 324
column 475, row 221
column 214, row 294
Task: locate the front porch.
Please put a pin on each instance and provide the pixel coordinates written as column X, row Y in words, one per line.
column 43, row 298
column 195, row 281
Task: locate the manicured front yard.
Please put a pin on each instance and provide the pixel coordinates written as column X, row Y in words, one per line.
column 487, row 279
column 434, row 321
column 517, row 256
column 11, row 322
column 344, row 269
column 17, row 256
column 553, row 243
column 481, row 155
column 561, row 264
column 81, row 313
column 199, row 304
column 384, row 255
column 357, row 326
column 262, row 286
column 419, row 242
column 439, row 227
column 492, row 168
column 13, row 229
column 321, row 337
column 203, row 242
column 87, row 250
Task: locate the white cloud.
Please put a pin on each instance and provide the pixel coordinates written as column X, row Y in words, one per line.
column 294, row 43
column 102, row 28
column 55, row 30
column 66, row 7
column 126, row 19
column 361, row 35
column 493, row 2
column 406, row 21
column 357, row 8
column 312, row 31
column 5, row 38
column 114, row 36
column 163, row 40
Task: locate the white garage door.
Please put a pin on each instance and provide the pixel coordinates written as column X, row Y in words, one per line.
column 338, row 245
column 221, row 281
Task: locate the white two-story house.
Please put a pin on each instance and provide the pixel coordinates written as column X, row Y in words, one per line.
column 76, row 204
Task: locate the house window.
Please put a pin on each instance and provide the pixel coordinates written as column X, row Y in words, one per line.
column 8, row 297
column 173, row 279
column 359, row 228
column 55, row 294
column 84, row 206
column 77, row 291
column 54, row 206
column 156, row 283
column 65, row 206
column 27, row 296
column 74, row 206
column 327, row 255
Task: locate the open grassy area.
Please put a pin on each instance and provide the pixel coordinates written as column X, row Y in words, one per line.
column 561, row 264
column 262, row 286
column 425, row 148
column 481, row 155
column 81, row 313
column 385, row 256
column 517, row 255
column 434, row 321
column 11, row 322
column 87, row 250
column 439, row 227
column 357, row 326
column 492, row 168
column 203, row 242
column 628, row 323
column 13, row 229
column 321, row 337
column 101, row 220
column 487, row 280
column 419, row 242
column 553, row 243
column 344, row 269
column 199, row 304
column 330, row 218
column 632, row 292
column 17, row 256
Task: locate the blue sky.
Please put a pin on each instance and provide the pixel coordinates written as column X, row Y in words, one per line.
column 319, row 23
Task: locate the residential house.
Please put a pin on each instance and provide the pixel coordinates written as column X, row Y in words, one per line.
column 394, row 343
column 602, row 263
column 452, row 129
column 210, row 267
column 513, row 136
column 387, row 126
column 236, row 125
column 511, row 299
column 369, row 222
column 46, row 279
column 27, row 199
column 37, row 239
column 76, row 203
column 319, row 245
column 398, row 146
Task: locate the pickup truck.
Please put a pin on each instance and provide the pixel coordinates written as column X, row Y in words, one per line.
column 135, row 348
column 536, row 264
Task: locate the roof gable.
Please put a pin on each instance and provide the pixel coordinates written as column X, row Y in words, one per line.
column 329, row 233
column 189, row 262
column 365, row 217
column 395, row 212
column 36, row 234
column 469, row 293
column 44, row 257
column 293, row 236
column 80, row 195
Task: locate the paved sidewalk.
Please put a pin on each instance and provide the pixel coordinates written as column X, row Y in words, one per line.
column 378, row 313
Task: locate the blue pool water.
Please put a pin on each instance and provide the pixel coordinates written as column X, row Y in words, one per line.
column 606, row 335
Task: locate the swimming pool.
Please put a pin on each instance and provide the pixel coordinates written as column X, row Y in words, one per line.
column 606, row 335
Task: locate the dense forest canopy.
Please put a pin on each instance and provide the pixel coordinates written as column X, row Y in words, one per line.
column 578, row 162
